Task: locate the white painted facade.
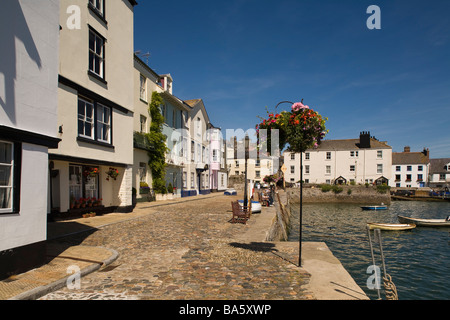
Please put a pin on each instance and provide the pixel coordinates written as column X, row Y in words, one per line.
column 337, row 159
column 145, row 83
column 410, row 169
column 196, row 175
column 95, row 106
column 440, row 173
column 257, row 168
column 28, row 122
column 217, row 160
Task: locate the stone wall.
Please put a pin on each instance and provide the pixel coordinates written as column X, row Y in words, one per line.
column 358, row 194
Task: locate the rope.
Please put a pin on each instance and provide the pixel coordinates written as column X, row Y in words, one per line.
column 390, row 288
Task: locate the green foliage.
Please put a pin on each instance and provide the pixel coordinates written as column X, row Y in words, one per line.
column 326, row 187
column 383, row 188
column 329, row 187
column 336, row 189
column 349, row 191
column 157, row 139
column 170, row 188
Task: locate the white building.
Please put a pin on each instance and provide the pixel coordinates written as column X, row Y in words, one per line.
column 439, row 173
column 258, row 166
column 196, row 175
column 95, row 108
column 28, row 126
column 363, row 160
column 410, row 169
column 146, row 81
column 218, row 174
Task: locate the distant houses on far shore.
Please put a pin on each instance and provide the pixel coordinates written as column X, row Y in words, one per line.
column 367, row 160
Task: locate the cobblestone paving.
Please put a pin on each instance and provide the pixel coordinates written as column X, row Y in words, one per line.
column 186, row 251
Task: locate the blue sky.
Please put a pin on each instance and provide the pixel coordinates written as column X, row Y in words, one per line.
column 241, row 56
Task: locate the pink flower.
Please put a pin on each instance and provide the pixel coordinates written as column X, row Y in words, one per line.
column 298, row 105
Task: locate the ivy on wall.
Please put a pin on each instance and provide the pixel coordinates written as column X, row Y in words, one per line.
column 157, row 139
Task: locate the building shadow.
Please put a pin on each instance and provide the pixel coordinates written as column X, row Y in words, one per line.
column 255, row 246
column 13, row 25
column 63, row 235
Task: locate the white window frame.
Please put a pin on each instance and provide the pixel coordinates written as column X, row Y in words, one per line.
column 101, row 125
column 10, row 185
column 85, row 119
column 379, row 168
column 143, row 123
column 143, row 88
column 184, row 179
column 97, row 54
column 98, row 5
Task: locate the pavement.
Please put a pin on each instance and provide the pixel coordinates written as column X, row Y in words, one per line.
column 328, row 278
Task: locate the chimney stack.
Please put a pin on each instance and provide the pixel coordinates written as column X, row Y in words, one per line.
column 364, row 139
column 407, row 149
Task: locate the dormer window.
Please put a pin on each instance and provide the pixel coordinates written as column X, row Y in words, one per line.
column 166, row 83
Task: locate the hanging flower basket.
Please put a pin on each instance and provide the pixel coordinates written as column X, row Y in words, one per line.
column 271, row 178
column 90, row 172
column 112, row 173
column 301, row 128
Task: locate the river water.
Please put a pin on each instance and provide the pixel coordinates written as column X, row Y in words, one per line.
column 417, row 260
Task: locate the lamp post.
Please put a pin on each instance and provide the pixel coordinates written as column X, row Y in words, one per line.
column 247, row 142
column 301, row 201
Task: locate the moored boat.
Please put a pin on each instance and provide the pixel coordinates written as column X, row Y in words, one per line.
column 256, row 206
column 374, row 207
column 391, row 226
column 425, row 222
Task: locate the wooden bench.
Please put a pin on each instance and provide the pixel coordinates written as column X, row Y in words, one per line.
column 240, row 213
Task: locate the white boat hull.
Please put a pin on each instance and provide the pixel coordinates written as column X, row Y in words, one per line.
column 425, row 222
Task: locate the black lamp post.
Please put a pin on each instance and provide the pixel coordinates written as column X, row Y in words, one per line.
column 247, row 142
column 301, row 202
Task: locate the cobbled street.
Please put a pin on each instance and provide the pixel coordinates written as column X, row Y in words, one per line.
column 187, row 250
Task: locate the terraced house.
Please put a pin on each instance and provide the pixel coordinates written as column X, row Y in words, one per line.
column 410, row 169
column 93, row 162
column 28, row 126
column 360, row 161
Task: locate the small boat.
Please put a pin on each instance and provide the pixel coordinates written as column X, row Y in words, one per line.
column 256, row 206
column 374, row 208
column 230, row 192
column 391, row 226
column 425, row 222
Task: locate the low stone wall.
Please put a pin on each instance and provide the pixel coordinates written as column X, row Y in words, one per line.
column 279, row 230
column 358, row 195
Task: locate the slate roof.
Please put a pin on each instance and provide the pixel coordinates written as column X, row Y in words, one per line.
column 349, row 144
column 409, row 158
column 437, row 165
